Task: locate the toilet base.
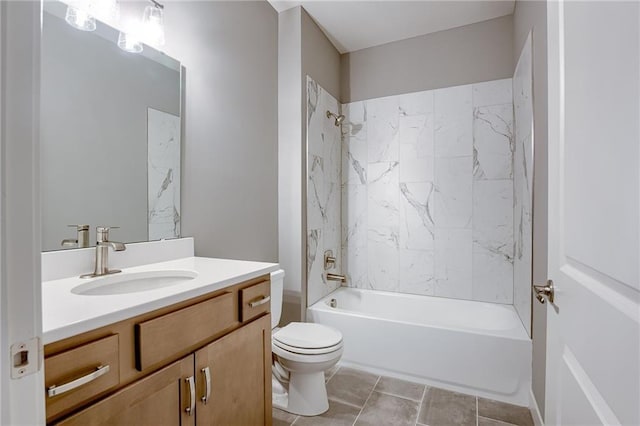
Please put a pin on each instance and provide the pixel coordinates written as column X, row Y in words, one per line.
column 307, row 395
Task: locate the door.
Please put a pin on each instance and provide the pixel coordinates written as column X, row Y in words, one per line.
column 237, row 369
column 159, row 399
column 593, row 346
column 21, row 390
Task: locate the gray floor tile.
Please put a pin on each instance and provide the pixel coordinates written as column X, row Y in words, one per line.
column 444, row 408
column 504, row 412
column 282, row 418
column 483, row 421
column 401, row 388
column 384, row 409
column 351, row 386
column 338, row 415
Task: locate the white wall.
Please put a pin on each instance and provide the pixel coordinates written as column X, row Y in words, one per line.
column 468, row 54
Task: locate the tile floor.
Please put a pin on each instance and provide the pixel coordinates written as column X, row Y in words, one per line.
column 360, row 398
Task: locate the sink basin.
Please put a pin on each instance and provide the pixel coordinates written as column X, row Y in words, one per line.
column 134, row 282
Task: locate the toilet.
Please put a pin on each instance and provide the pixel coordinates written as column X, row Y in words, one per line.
column 302, row 353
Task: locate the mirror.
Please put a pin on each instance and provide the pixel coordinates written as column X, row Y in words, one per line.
column 110, row 135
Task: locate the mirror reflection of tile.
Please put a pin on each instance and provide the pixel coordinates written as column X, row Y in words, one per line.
column 163, row 132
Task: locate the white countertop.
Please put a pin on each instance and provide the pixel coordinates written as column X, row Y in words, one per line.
column 66, row 314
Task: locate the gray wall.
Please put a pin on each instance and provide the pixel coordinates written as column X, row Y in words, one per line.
column 303, row 50
column 469, row 54
column 533, row 15
column 94, row 101
column 320, row 58
column 230, row 172
column 290, row 155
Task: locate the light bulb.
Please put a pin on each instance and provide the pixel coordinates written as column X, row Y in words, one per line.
column 129, row 43
column 80, row 19
column 153, row 25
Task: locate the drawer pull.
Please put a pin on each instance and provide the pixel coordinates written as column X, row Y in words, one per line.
column 207, row 381
column 259, row 302
column 57, row 390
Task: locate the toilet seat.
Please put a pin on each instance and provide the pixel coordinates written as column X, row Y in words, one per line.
column 306, row 351
column 308, row 338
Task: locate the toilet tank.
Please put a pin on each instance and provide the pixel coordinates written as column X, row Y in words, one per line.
column 277, row 293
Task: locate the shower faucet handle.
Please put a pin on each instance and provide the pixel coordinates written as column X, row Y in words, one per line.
column 329, row 260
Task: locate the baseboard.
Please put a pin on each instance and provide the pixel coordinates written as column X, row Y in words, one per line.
column 535, row 410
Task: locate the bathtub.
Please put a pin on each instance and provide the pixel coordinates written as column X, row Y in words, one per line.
column 470, row 347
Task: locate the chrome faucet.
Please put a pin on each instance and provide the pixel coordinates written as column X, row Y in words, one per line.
column 82, row 238
column 102, row 253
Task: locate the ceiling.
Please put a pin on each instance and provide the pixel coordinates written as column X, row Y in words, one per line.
column 355, row 25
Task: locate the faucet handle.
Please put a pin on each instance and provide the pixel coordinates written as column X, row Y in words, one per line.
column 102, row 233
column 79, row 227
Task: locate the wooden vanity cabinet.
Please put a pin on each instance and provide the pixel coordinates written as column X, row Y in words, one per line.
column 235, row 358
column 158, row 399
column 240, row 377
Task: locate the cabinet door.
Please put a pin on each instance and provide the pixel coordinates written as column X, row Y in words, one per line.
column 239, row 367
column 159, row 399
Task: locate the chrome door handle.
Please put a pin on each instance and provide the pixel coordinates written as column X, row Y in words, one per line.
column 259, row 302
column 192, row 395
column 545, row 290
column 207, row 384
column 54, row 390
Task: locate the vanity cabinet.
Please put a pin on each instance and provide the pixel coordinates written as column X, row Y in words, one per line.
column 201, row 362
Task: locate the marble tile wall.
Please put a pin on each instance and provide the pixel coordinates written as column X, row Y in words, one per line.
column 323, row 190
column 163, row 168
column 427, row 192
column 523, row 184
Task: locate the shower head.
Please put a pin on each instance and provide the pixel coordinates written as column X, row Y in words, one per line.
column 338, row 118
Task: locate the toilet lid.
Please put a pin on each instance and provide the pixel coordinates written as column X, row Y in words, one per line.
column 306, row 335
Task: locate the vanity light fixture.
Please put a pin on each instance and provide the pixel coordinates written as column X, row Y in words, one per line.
column 153, row 24
column 129, row 43
column 79, row 18
column 82, row 14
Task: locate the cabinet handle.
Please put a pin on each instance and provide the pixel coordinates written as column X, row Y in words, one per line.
column 262, row 301
column 54, row 390
column 207, row 381
column 192, row 395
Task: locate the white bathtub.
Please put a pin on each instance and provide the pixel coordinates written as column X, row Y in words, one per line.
column 471, row 347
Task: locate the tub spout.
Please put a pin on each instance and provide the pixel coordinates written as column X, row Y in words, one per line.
column 336, row 277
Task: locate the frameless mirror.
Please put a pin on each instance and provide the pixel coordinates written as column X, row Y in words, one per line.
column 110, row 135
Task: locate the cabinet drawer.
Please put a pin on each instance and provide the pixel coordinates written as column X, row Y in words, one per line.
column 255, row 300
column 81, row 374
column 170, row 335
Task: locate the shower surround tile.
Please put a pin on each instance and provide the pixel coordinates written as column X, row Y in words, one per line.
column 163, row 169
column 427, row 192
column 453, row 192
column 494, row 92
column 417, row 226
column 453, row 122
column 523, row 184
column 324, row 178
column 382, row 129
column 493, row 144
column 383, row 249
column 417, row 272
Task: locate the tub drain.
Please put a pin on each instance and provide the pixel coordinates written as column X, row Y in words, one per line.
column 333, row 303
